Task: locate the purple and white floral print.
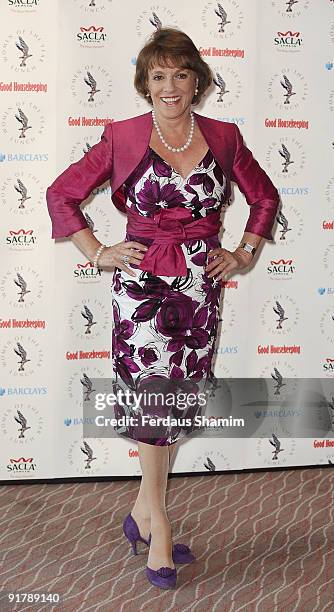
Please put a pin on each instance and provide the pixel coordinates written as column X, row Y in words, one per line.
column 167, row 326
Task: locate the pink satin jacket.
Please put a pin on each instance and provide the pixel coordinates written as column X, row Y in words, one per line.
column 121, row 148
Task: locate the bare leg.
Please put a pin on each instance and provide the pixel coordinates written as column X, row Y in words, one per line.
column 172, row 450
column 154, row 461
column 141, row 510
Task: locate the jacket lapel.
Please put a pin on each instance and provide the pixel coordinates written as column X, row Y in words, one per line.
column 130, row 139
column 219, row 137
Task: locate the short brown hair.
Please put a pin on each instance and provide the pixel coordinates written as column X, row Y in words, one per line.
column 171, row 46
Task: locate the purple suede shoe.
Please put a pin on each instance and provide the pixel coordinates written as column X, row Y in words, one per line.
column 131, row 531
column 181, row 553
column 164, row 577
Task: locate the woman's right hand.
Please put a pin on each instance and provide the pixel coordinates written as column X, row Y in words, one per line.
column 112, row 256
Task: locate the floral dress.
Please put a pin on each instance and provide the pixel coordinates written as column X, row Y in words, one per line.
column 165, row 327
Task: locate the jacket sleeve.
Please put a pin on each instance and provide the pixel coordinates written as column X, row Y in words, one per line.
column 259, row 191
column 75, row 184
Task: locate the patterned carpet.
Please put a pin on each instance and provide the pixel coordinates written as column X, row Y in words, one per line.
column 264, row 542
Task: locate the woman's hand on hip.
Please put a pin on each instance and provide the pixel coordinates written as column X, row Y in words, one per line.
column 112, row 256
column 222, row 262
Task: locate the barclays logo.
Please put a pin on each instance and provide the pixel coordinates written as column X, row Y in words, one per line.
column 79, row 421
column 237, row 120
column 18, row 391
column 324, row 291
column 280, row 413
column 226, row 350
column 102, row 191
column 294, row 191
column 19, row 157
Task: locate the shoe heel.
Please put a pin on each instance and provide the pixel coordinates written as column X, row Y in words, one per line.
column 131, row 532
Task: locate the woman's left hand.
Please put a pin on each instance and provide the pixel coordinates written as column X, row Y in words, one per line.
column 223, row 261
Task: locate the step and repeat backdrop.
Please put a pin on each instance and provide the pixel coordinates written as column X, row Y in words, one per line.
column 67, row 69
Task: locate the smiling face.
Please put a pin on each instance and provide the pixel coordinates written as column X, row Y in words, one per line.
column 172, row 90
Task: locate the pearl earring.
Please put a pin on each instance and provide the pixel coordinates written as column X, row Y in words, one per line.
column 196, row 90
column 148, row 94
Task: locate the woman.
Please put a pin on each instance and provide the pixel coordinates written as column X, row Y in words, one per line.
column 170, row 171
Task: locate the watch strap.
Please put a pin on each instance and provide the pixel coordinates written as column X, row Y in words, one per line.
column 249, row 248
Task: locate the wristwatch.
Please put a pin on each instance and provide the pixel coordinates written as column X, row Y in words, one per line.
column 249, row 248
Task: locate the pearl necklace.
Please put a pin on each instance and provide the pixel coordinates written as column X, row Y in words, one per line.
column 169, row 147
